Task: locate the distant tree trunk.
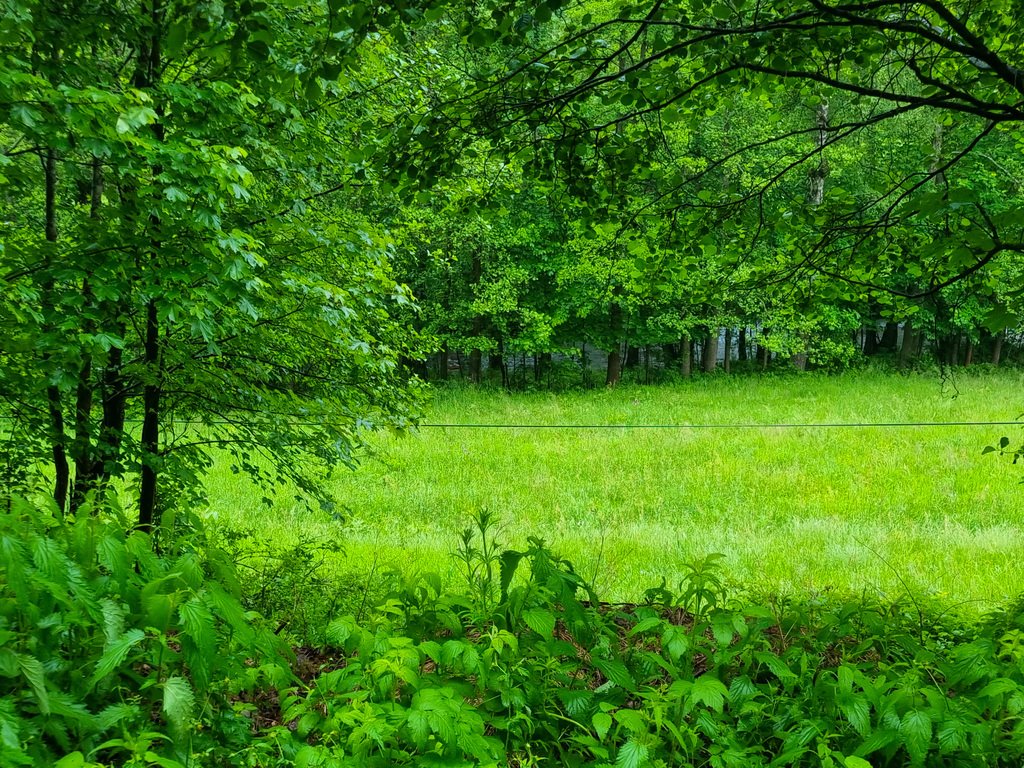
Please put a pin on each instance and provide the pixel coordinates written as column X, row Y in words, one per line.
column 908, row 349
column 741, row 345
column 543, row 365
column 870, row 340
column 890, row 335
column 685, row 357
column 818, row 174
column 632, row 356
column 442, row 363
column 58, row 438
column 969, row 354
column 495, row 364
column 997, row 348
column 670, row 354
column 475, row 355
column 766, row 357
column 150, row 437
column 614, row 370
column 951, row 349
column 85, row 458
column 816, row 195
column 476, row 364
column 711, row 351
column 726, row 359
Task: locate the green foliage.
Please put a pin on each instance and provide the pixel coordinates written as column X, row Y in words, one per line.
column 693, row 676
column 111, row 653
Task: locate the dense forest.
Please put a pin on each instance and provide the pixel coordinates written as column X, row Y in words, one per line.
column 262, row 230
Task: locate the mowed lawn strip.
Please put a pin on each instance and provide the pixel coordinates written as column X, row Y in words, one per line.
column 795, row 511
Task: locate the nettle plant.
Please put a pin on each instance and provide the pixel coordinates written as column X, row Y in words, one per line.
column 528, row 667
column 114, row 653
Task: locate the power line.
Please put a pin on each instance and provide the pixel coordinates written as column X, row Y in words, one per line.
column 735, row 426
column 745, row 425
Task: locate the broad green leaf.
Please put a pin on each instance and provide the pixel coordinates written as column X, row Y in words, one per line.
column 540, row 621
column 179, row 703
column 32, row 669
column 115, row 655
column 710, row 691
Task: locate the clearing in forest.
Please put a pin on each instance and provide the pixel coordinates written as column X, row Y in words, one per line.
column 802, row 510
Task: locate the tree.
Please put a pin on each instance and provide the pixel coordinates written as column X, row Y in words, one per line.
column 176, row 273
column 573, row 78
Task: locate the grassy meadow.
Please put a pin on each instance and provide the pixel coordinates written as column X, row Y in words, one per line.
column 797, row 511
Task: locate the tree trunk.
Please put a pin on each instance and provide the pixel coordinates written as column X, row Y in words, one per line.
column 997, row 348
column 58, row 438
column 85, row 459
column 969, row 354
column 542, row 365
column 614, row 370
column 711, row 351
column 442, row 364
column 908, row 349
column 686, row 357
column 475, row 366
column 632, row 356
column 728, row 350
column 818, row 174
column 150, row 442
column 496, row 366
column 741, row 345
column 870, row 340
column 475, row 355
column 890, row 335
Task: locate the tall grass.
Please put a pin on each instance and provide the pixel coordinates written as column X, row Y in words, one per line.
column 803, row 510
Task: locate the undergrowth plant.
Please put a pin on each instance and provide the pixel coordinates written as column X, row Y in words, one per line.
column 528, row 667
column 113, row 652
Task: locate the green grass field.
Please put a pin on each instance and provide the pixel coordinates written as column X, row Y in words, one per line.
column 798, row 511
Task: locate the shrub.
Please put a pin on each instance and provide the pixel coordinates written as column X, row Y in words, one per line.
column 112, row 652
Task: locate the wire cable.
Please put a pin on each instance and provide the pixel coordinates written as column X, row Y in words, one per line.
column 745, row 425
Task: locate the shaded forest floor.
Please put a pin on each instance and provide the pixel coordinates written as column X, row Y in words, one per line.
column 796, row 511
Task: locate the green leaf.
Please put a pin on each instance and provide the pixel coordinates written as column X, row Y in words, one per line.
column 998, row 687
column 616, row 672
column 32, row 669
column 916, row 729
column 113, row 621
column 509, row 562
column 710, row 691
column 602, row 723
column 632, row 754
column 775, row 665
column 179, row 703
column 540, row 621
column 646, row 625
column 856, row 710
column 851, row 761
column 116, row 654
